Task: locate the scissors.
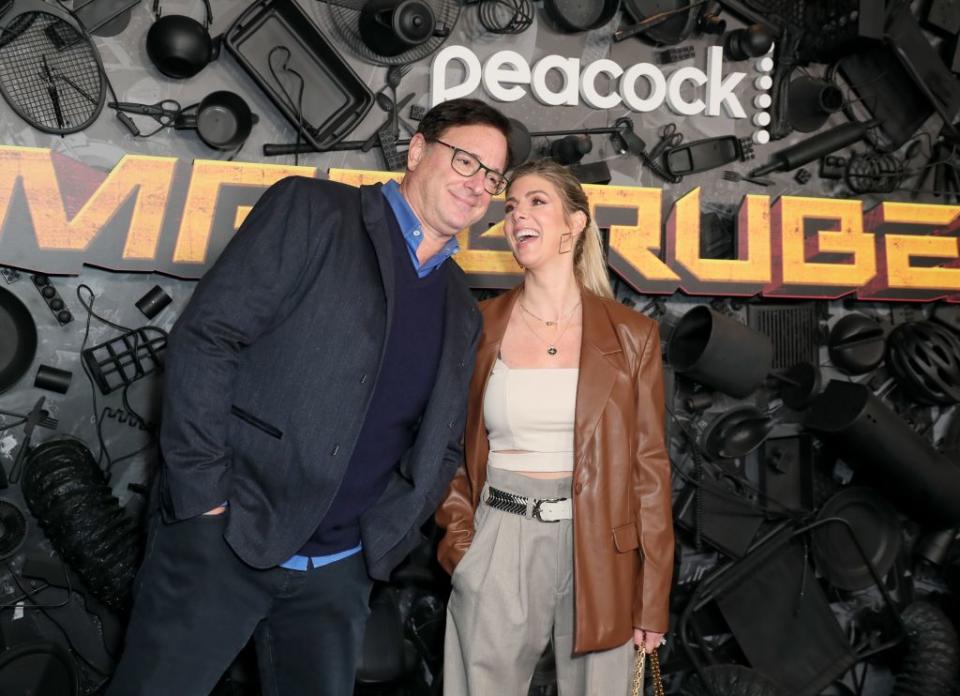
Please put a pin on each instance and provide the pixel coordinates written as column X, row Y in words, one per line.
column 669, row 137
column 164, row 112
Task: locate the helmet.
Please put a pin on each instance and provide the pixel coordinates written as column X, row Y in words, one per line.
column 924, row 357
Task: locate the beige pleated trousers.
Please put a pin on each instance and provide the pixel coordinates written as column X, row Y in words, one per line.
column 512, row 593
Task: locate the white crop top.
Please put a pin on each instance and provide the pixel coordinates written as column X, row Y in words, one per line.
column 531, row 410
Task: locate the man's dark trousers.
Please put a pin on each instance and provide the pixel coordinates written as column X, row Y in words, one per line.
column 192, row 591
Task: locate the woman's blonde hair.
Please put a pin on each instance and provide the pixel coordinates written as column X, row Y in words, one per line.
column 589, row 265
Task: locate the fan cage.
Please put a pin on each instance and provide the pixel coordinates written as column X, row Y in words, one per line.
column 347, row 23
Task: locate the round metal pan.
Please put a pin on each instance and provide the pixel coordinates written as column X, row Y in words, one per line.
column 572, row 16
column 223, row 120
column 18, row 339
column 38, row 667
column 670, row 31
column 876, row 527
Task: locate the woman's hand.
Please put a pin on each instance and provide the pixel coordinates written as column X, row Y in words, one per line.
column 648, row 640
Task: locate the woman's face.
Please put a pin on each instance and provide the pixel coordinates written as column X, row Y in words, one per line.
column 535, row 222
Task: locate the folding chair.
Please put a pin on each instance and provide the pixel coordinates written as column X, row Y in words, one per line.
column 779, row 615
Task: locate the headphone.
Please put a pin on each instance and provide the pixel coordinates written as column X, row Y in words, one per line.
column 180, row 46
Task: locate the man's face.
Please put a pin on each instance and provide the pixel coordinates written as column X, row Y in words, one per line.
column 443, row 198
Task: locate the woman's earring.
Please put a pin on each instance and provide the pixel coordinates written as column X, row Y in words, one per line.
column 566, row 242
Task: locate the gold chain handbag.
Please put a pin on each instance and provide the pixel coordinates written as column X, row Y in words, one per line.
column 639, row 668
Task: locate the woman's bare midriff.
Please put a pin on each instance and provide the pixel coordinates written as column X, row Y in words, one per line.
column 536, row 474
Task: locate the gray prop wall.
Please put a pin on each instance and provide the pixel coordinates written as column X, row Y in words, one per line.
column 106, row 142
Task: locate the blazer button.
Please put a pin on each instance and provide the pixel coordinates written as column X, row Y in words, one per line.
column 335, row 450
column 578, row 488
column 363, row 378
column 450, row 425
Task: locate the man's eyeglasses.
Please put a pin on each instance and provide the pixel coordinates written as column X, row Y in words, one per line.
column 467, row 164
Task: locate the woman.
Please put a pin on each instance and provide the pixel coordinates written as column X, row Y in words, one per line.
column 558, row 525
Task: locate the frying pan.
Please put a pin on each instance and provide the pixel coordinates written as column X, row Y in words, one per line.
column 222, row 119
column 572, row 16
column 18, row 339
column 875, row 525
column 36, row 667
column 672, row 30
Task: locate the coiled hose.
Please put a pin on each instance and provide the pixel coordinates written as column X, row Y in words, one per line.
column 506, row 16
column 68, row 494
column 872, row 173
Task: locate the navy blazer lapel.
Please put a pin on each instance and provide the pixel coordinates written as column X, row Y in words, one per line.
column 460, row 314
column 373, row 209
column 460, row 324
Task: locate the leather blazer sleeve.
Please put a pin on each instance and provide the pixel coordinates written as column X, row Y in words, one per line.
column 652, row 492
column 455, row 515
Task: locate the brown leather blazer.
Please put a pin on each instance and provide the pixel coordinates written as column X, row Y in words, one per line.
column 623, row 527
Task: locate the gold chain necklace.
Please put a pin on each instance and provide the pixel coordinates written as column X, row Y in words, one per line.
column 551, row 345
column 544, row 321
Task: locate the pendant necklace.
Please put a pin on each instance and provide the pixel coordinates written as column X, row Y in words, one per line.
column 551, row 345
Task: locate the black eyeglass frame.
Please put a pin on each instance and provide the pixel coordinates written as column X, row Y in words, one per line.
column 480, row 165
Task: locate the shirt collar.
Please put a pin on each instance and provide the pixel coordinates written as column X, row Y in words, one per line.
column 412, row 231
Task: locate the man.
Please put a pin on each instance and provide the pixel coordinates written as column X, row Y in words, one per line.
column 315, row 399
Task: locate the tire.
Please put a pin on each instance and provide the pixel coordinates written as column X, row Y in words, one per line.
column 932, row 662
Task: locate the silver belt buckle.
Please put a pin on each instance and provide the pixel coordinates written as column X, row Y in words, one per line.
column 537, row 512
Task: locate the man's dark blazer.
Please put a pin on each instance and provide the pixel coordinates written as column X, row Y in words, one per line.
column 270, row 370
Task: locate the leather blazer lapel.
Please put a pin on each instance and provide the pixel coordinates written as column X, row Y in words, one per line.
column 598, row 371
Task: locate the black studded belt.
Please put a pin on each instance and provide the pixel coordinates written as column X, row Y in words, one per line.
column 541, row 509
